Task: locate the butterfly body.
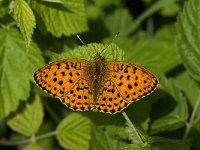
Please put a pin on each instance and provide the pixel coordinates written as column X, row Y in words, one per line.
column 98, row 84
column 96, row 74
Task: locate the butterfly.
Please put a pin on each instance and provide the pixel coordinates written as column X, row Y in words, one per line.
column 106, row 86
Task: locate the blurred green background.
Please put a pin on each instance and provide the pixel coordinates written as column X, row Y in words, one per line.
column 160, row 35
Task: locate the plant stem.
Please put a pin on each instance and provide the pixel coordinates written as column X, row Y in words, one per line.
column 132, row 126
column 43, row 136
column 150, row 27
column 190, row 123
column 10, row 143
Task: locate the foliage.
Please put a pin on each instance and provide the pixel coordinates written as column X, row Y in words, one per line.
column 159, row 35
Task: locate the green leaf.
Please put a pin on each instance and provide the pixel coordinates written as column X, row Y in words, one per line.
column 192, row 92
column 61, row 19
column 108, row 121
column 153, row 54
column 106, row 3
column 135, row 147
column 93, row 12
column 74, row 132
column 171, row 10
column 188, row 38
column 159, row 143
column 116, row 130
column 112, row 52
column 102, row 140
column 32, row 146
column 173, row 108
column 16, row 69
column 28, row 119
column 25, row 19
column 122, row 24
column 133, row 137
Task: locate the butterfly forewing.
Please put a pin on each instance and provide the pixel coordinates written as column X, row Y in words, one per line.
column 58, row 78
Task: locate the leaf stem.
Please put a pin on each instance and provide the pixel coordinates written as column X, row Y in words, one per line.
column 150, row 27
column 11, row 143
column 132, row 126
column 43, row 136
column 190, row 123
column 25, row 141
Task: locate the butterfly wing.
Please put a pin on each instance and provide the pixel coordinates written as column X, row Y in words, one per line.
column 110, row 100
column 79, row 97
column 67, row 80
column 126, row 83
column 61, row 78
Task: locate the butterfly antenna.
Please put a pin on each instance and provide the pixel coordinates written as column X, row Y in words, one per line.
column 80, row 39
column 110, row 42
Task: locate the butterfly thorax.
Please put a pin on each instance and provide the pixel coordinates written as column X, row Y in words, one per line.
column 96, row 71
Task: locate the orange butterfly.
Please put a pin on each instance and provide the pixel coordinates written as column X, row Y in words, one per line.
column 106, row 86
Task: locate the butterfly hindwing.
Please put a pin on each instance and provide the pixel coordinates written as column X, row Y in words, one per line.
column 79, row 97
column 110, row 99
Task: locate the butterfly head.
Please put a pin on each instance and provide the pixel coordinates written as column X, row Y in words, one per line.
column 98, row 57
